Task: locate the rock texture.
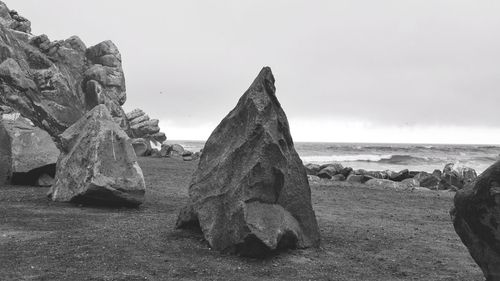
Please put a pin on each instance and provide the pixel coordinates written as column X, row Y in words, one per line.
column 24, row 150
column 98, row 165
column 476, row 218
column 141, row 126
column 54, row 83
column 250, row 193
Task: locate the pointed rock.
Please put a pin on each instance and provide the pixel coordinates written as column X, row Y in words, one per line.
column 250, row 193
column 98, row 165
column 476, row 218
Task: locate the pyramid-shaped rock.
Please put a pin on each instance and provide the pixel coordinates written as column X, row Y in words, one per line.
column 476, row 218
column 250, row 193
column 98, row 164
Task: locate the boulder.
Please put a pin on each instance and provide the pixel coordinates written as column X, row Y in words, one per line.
column 141, row 147
column 428, row 180
column 312, row 169
column 476, row 218
column 411, row 182
column 165, row 150
column 25, row 152
column 187, row 158
column 176, row 150
column 346, row 171
column 98, row 165
column 250, row 194
column 389, row 184
column 455, row 177
column 155, row 153
column 327, row 172
column 358, row 178
column 54, row 83
column 336, row 166
column 338, row 177
column 400, row 176
column 45, row 180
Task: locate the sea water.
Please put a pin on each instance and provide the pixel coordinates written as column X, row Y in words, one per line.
column 380, row 156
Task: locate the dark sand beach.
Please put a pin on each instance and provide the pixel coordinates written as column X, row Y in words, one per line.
column 367, row 234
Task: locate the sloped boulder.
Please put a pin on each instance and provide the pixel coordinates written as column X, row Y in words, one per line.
column 26, row 152
column 476, row 218
column 98, row 165
column 54, row 83
column 250, row 194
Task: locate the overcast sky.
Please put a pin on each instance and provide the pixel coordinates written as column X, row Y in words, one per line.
column 361, row 71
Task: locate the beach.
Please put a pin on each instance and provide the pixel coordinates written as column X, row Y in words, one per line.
column 366, row 234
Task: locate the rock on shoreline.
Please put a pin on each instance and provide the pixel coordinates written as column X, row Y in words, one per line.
column 453, row 177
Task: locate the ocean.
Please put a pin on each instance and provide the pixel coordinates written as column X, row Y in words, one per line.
column 380, row 156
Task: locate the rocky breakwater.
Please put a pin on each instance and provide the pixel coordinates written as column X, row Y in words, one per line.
column 476, row 218
column 250, row 193
column 28, row 154
column 453, row 177
column 98, row 165
column 54, row 83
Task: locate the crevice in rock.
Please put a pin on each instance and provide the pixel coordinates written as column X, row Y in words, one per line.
column 31, row 177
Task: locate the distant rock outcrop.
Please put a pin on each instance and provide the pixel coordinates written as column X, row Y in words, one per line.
column 27, row 153
column 250, row 193
column 98, row 165
column 54, row 83
column 476, row 218
column 141, row 126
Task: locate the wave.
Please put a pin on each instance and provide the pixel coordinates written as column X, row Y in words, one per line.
column 386, row 159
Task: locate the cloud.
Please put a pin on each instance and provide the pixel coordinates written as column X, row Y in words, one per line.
column 426, row 64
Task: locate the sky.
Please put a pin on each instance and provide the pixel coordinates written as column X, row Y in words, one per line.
column 410, row 71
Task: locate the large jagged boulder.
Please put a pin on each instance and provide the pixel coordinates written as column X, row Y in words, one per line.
column 55, row 83
column 141, row 126
column 476, row 218
column 250, row 193
column 98, row 165
column 27, row 153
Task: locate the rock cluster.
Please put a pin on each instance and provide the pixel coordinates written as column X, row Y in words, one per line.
column 98, row 165
column 453, row 177
column 476, row 218
column 54, row 83
column 145, row 130
column 250, row 193
column 27, row 154
column 177, row 151
column 13, row 20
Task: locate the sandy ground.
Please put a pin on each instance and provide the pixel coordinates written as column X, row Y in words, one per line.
column 366, row 235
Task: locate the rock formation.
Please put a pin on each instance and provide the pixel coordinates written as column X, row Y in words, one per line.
column 476, row 218
column 250, row 193
column 98, row 165
column 26, row 153
column 55, row 83
column 141, row 126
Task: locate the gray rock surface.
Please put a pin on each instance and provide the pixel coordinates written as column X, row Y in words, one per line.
column 476, row 218
column 250, row 193
column 23, row 149
column 141, row 126
column 98, row 165
column 54, row 83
